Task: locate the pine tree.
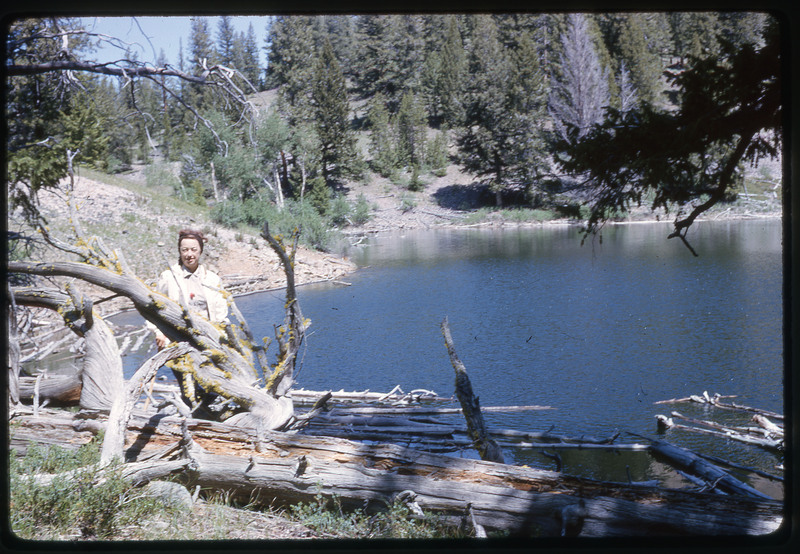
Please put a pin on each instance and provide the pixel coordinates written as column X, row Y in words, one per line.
column 332, row 115
column 382, row 143
column 291, row 54
column 225, row 41
column 411, row 127
column 201, row 51
column 579, row 96
column 695, row 34
column 250, row 61
column 642, row 61
column 391, row 56
column 451, row 75
column 501, row 140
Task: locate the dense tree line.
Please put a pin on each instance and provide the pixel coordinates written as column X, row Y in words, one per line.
column 504, row 95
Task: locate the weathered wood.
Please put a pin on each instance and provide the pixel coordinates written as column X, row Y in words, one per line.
column 294, row 468
column 665, row 422
column 291, row 334
column 689, row 461
column 13, row 349
column 486, row 446
column 122, row 403
column 715, row 401
column 59, row 390
column 303, row 397
column 420, row 411
column 221, row 366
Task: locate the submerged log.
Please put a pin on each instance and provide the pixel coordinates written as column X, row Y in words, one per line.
column 694, row 464
column 292, row 468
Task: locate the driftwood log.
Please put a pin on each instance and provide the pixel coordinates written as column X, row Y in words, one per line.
column 274, row 468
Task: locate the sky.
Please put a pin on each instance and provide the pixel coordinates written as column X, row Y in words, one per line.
column 150, row 35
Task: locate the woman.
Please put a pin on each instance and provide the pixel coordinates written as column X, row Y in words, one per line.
column 192, row 285
column 196, row 288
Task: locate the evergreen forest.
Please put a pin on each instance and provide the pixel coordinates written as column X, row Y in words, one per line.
column 530, row 104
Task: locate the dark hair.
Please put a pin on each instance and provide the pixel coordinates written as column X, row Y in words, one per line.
column 191, row 234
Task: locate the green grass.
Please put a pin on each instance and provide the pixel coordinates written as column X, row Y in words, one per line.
column 327, row 517
column 75, row 505
column 509, row 215
column 81, row 506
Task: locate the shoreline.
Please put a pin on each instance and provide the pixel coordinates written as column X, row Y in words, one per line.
column 509, row 226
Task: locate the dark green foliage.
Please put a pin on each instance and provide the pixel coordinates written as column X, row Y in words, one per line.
column 482, row 78
column 292, row 44
column 95, row 505
column 411, row 129
column 382, row 144
column 503, row 137
column 436, row 157
column 319, row 195
column 331, row 111
column 730, row 113
column 86, row 131
column 641, row 59
column 448, row 76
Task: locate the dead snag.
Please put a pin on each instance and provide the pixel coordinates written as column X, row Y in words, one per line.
column 122, row 404
column 220, row 366
column 487, row 447
column 291, row 333
column 13, row 350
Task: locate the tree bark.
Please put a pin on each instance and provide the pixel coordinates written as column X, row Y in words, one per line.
column 523, row 501
column 486, row 446
column 709, row 472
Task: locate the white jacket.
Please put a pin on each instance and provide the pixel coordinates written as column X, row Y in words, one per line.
column 174, row 284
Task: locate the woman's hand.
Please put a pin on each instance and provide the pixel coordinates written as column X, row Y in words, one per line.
column 161, row 341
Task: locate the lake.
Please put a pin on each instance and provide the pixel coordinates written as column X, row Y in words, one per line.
column 598, row 331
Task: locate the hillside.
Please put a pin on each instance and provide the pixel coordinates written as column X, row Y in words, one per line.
column 142, row 220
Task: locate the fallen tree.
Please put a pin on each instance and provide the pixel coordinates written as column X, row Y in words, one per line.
column 766, row 433
column 278, row 468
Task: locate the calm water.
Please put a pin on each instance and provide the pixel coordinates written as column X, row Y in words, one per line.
column 599, row 331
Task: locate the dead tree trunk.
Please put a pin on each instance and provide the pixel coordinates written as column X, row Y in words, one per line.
column 292, row 332
column 710, row 473
column 101, row 375
column 13, row 350
column 123, row 402
column 486, row 446
column 292, row 468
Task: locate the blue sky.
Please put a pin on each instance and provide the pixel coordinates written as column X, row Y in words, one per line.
column 153, row 34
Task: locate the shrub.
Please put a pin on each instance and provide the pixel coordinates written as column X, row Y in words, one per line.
column 361, row 211
column 82, row 501
column 339, row 211
column 328, row 517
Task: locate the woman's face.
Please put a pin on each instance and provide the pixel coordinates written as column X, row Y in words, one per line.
column 190, row 253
